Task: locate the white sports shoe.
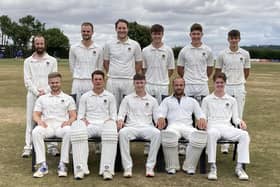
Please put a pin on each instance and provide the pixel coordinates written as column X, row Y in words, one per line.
column 241, row 174
column 182, row 149
column 26, row 153
column 79, row 174
column 107, row 175
column 212, row 175
column 127, row 173
column 171, row 171
column 42, row 170
column 224, row 149
column 150, row 172
column 54, row 151
column 62, row 171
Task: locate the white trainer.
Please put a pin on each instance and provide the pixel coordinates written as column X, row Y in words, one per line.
column 212, row 175
column 171, row 171
column 150, row 172
column 182, row 149
column 241, row 174
column 107, row 175
column 224, row 148
column 62, row 171
column 54, row 151
column 79, row 174
column 42, row 170
column 26, row 153
column 127, row 173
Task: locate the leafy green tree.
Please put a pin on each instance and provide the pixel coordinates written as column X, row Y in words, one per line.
column 140, row 33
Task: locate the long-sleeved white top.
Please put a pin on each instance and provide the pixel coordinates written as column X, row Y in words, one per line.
column 96, row 109
column 179, row 111
column 220, row 110
column 84, row 60
column 36, row 73
column 139, row 111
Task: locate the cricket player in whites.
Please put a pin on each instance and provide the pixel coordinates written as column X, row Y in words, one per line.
column 36, row 69
column 220, row 108
column 122, row 59
column 177, row 110
column 54, row 113
column 235, row 63
column 96, row 118
column 195, row 65
column 139, row 108
column 158, row 65
column 84, row 58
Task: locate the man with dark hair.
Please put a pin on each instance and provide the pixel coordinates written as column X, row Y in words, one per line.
column 139, row 109
column 158, row 64
column 54, row 113
column 195, row 65
column 36, row 69
column 122, row 59
column 84, row 58
column 220, row 108
column 235, row 63
column 96, row 118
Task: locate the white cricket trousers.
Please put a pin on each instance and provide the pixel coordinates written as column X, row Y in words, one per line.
column 229, row 133
column 196, row 89
column 157, row 91
column 147, row 132
column 119, row 88
column 79, row 87
column 30, row 102
column 53, row 130
column 239, row 93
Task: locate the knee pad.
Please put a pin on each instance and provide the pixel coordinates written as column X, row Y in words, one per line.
column 169, row 139
column 78, row 132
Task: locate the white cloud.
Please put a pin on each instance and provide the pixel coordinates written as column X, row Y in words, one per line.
column 256, row 19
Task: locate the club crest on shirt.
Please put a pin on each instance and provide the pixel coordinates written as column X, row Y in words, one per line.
column 203, row 54
column 62, row 100
column 105, row 101
column 94, row 52
column 241, row 59
column 227, row 104
column 48, row 63
column 163, row 56
column 147, row 104
column 129, row 49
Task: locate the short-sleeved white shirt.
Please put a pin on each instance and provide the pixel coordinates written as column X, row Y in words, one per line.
column 140, row 111
column 122, row 57
column 220, row 110
column 55, row 107
column 97, row 108
column 158, row 61
column 233, row 65
column 36, row 72
column 195, row 61
column 84, row 60
column 180, row 111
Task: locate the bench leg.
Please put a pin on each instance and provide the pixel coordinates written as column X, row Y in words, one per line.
column 234, row 151
column 33, row 159
column 202, row 162
column 160, row 165
column 118, row 162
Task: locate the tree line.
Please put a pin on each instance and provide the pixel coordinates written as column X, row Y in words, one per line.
column 21, row 32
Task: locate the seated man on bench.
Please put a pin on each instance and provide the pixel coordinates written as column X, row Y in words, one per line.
column 139, row 109
column 96, row 118
column 178, row 110
column 220, row 108
column 54, row 113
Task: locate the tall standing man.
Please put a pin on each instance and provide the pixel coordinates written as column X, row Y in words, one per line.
column 84, row 58
column 235, row 63
column 122, row 59
column 158, row 64
column 36, row 69
column 195, row 65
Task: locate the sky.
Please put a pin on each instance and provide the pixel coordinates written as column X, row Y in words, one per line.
column 258, row 20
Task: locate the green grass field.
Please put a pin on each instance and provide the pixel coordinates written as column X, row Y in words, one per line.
column 261, row 114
